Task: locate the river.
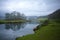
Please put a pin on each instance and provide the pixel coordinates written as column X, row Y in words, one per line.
column 12, row 31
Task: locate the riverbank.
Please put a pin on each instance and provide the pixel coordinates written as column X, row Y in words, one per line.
column 51, row 31
column 12, row 21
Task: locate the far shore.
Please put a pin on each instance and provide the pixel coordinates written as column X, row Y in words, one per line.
column 12, row 21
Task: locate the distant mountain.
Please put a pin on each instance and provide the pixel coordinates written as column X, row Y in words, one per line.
column 31, row 17
column 55, row 15
column 2, row 17
column 42, row 16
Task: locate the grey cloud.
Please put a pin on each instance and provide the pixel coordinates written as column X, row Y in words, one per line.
column 41, row 7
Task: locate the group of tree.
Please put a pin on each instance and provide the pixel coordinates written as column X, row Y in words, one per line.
column 15, row 16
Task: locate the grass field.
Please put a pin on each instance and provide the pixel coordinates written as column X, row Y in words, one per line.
column 11, row 21
column 42, row 19
column 51, row 31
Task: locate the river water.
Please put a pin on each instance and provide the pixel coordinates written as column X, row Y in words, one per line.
column 12, row 31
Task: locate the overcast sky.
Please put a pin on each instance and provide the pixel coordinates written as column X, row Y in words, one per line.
column 29, row 7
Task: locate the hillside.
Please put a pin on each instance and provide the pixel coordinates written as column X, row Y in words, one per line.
column 55, row 15
column 51, row 31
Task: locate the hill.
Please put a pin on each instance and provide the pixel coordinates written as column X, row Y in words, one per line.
column 50, row 31
column 55, row 15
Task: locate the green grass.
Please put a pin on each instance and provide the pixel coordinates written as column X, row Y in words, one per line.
column 11, row 21
column 42, row 19
column 47, row 32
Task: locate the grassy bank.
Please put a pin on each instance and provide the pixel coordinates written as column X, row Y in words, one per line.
column 11, row 21
column 51, row 31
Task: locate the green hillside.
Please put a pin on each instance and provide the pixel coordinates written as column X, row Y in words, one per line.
column 51, row 31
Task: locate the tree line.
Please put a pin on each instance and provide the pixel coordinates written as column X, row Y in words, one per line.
column 15, row 16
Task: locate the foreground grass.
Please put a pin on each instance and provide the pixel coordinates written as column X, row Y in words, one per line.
column 45, row 32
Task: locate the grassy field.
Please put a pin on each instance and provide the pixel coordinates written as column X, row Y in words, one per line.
column 11, row 21
column 51, row 31
column 42, row 19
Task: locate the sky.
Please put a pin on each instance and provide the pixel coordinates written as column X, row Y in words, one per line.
column 29, row 7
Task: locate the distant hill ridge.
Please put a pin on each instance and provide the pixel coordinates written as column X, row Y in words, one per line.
column 55, row 15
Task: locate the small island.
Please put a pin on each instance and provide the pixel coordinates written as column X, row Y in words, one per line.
column 14, row 17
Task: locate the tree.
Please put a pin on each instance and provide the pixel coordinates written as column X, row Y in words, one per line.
column 7, row 16
column 15, row 16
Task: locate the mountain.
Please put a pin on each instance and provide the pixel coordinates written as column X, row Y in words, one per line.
column 2, row 17
column 42, row 17
column 55, row 15
column 31, row 17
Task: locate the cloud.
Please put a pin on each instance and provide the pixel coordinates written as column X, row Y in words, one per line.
column 30, row 7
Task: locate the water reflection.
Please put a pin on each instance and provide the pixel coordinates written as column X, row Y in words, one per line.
column 14, row 30
column 14, row 26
